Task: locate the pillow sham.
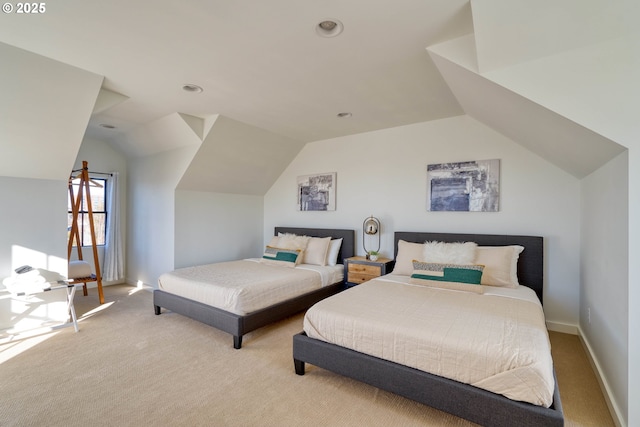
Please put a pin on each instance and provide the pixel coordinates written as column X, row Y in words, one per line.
column 275, row 240
column 281, row 256
column 470, row 274
column 449, row 253
column 316, row 251
column 500, row 265
column 293, row 241
column 334, row 250
column 407, row 252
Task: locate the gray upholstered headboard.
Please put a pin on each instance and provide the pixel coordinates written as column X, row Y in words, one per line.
column 348, row 238
column 530, row 262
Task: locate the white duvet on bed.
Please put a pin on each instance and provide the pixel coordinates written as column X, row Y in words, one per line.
column 245, row 286
column 496, row 341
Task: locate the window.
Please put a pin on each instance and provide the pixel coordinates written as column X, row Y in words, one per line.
column 98, row 191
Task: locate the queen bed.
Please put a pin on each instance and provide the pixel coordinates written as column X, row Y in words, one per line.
column 240, row 296
column 479, row 351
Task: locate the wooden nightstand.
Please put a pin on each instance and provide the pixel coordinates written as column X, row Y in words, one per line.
column 358, row 269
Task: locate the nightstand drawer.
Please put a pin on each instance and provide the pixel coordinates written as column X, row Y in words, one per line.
column 358, row 269
column 360, row 277
column 371, row 270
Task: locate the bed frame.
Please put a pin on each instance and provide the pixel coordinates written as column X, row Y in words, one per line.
column 238, row 325
column 463, row 400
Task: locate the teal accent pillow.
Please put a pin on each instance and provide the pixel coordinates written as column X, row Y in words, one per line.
column 470, row 274
column 279, row 256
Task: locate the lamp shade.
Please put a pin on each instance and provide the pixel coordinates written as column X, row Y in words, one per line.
column 371, row 226
column 371, row 231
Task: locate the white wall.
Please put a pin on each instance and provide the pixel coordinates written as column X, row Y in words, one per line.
column 151, row 213
column 634, row 279
column 101, row 157
column 33, row 231
column 604, row 317
column 383, row 173
column 171, row 228
column 213, row 227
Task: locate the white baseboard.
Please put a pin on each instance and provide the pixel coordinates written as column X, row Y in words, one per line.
column 616, row 414
column 604, row 385
column 565, row 328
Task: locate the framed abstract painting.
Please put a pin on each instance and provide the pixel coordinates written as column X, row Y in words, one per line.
column 317, row 192
column 472, row 186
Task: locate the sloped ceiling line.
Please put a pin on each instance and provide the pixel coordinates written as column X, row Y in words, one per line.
column 509, row 32
column 562, row 142
column 107, row 99
column 237, row 158
column 45, row 107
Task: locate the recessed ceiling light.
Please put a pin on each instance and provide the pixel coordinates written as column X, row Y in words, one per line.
column 329, row 28
column 106, row 126
column 192, row 88
column 344, row 115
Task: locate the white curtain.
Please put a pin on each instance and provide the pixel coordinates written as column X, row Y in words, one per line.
column 113, row 258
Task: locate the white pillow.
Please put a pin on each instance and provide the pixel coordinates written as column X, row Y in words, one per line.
column 407, row 252
column 275, row 240
column 316, row 252
column 334, row 249
column 500, row 265
column 293, row 241
column 449, row 253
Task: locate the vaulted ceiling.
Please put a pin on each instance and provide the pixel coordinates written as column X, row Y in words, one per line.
column 268, row 75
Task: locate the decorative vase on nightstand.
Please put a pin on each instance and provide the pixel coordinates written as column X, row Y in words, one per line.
column 373, row 255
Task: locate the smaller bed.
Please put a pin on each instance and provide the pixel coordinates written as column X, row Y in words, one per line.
column 220, row 306
column 414, row 315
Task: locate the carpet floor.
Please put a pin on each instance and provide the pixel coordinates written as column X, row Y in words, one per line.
column 129, row 367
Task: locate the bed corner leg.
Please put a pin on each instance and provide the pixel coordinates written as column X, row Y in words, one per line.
column 156, row 309
column 237, row 342
column 299, row 365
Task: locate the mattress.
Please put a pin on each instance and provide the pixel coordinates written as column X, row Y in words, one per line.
column 244, row 286
column 496, row 341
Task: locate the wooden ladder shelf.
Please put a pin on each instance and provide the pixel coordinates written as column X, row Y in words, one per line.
column 76, row 202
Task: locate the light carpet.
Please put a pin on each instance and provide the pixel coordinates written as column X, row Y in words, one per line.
column 129, row 367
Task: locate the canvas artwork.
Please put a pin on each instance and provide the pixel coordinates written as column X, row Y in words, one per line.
column 464, row 186
column 317, row 192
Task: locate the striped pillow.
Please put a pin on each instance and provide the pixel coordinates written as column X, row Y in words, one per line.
column 279, row 256
column 470, row 274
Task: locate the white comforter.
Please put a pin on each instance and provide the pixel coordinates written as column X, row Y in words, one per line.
column 245, row 286
column 496, row 341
